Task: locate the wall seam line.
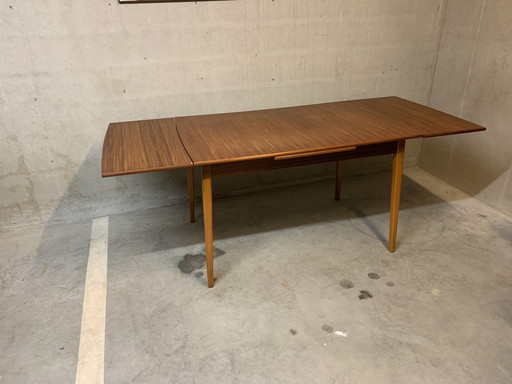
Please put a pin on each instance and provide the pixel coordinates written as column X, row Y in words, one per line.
column 436, row 53
column 470, row 70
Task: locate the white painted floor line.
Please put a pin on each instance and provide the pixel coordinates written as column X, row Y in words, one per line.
column 91, row 354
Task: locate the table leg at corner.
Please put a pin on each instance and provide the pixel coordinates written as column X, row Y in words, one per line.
column 208, row 220
column 339, row 170
column 396, row 185
column 191, row 203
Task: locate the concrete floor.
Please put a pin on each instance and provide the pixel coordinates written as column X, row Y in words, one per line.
column 293, row 268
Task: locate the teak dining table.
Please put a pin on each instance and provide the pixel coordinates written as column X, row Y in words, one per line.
column 242, row 142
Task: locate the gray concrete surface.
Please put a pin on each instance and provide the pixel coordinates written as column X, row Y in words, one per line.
column 293, row 268
column 473, row 79
column 69, row 68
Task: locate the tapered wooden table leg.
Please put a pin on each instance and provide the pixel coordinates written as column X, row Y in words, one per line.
column 396, row 185
column 208, row 220
column 191, row 203
column 339, row 170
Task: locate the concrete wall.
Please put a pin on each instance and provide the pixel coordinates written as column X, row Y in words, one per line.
column 68, row 68
column 473, row 79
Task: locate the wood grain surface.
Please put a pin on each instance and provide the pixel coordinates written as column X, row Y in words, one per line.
column 142, row 146
column 400, row 115
column 237, row 136
column 152, row 145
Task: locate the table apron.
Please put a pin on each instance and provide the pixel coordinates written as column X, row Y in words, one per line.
column 248, row 166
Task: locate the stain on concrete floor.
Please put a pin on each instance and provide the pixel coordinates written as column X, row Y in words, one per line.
column 193, row 262
column 365, row 295
column 347, row 284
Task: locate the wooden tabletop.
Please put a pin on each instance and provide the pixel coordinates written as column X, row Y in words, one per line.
column 150, row 145
column 227, row 137
column 142, row 146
